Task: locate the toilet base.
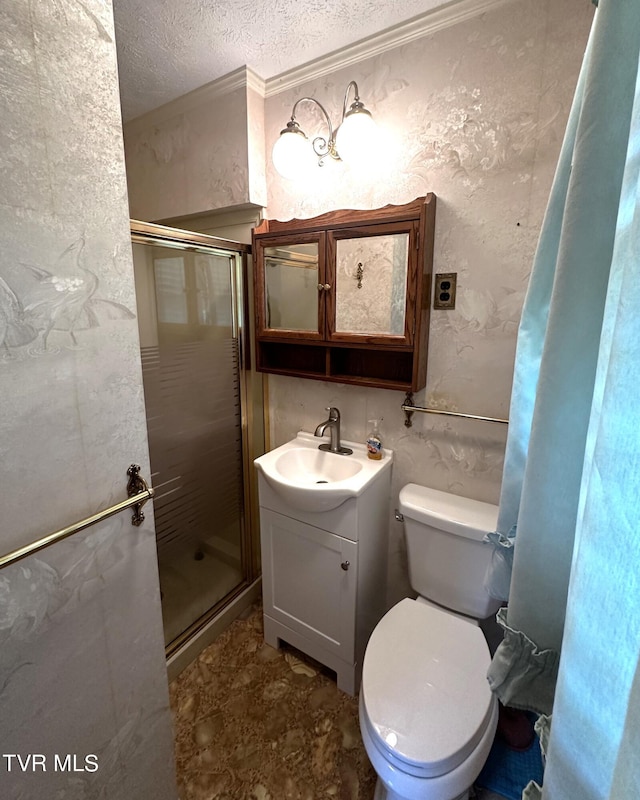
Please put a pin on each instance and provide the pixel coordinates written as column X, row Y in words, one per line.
column 382, row 793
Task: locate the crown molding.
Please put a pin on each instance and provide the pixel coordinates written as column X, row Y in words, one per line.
column 255, row 82
column 445, row 16
column 242, row 78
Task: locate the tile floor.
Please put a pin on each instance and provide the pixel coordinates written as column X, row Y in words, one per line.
column 254, row 723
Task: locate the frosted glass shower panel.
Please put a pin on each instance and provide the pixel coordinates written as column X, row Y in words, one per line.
column 291, row 287
column 213, row 291
column 171, row 289
column 191, row 372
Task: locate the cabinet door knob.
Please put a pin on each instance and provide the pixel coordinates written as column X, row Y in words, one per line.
column 345, row 565
column 320, row 287
column 327, row 286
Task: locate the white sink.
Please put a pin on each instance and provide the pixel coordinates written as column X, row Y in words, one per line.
column 309, row 467
column 310, row 479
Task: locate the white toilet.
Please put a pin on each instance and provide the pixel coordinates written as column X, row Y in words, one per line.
column 427, row 715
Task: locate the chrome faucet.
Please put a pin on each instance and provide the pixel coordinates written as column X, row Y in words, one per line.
column 333, row 423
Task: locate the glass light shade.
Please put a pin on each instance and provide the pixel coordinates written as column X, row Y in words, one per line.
column 292, row 154
column 357, row 139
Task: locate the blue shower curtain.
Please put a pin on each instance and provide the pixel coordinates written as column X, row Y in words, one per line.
column 568, row 538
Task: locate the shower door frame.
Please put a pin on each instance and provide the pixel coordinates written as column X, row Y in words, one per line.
column 149, row 233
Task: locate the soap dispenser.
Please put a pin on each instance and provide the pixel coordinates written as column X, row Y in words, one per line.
column 374, row 444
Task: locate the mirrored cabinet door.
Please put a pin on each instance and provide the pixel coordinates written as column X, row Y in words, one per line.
column 372, row 268
column 291, row 272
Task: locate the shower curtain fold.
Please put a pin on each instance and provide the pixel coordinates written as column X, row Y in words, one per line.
column 576, row 376
column 522, row 675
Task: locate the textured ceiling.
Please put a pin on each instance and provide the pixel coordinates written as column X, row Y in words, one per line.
column 170, row 47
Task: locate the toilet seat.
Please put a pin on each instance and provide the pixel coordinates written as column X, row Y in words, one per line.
column 425, row 698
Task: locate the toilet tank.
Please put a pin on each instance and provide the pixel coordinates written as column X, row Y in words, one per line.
column 447, row 556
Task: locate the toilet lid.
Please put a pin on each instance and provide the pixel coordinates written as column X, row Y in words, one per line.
column 424, row 687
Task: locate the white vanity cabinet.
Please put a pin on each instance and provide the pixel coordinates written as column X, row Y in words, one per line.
column 324, row 575
column 310, row 582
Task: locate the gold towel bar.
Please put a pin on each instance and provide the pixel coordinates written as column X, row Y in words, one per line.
column 137, row 489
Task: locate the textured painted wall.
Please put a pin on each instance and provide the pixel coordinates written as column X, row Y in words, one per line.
column 208, row 154
column 82, row 667
column 475, row 113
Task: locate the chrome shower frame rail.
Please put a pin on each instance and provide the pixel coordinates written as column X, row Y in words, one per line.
column 145, row 232
column 409, row 408
column 139, row 492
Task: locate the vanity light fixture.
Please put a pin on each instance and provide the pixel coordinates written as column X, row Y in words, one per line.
column 292, row 153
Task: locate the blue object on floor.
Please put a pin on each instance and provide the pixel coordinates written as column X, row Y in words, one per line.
column 508, row 771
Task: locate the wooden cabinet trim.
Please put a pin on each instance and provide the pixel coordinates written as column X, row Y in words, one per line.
column 346, row 218
column 418, row 220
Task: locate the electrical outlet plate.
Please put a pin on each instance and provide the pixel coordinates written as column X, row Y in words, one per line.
column 444, row 294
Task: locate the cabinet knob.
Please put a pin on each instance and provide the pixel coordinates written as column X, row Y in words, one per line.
column 345, row 565
column 327, row 286
column 320, row 287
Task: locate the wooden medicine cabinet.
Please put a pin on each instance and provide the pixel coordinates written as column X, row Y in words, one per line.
column 345, row 296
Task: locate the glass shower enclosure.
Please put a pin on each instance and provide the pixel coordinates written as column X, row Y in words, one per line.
column 191, row 291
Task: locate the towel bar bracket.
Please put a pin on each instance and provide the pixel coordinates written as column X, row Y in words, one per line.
column 137, row 485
